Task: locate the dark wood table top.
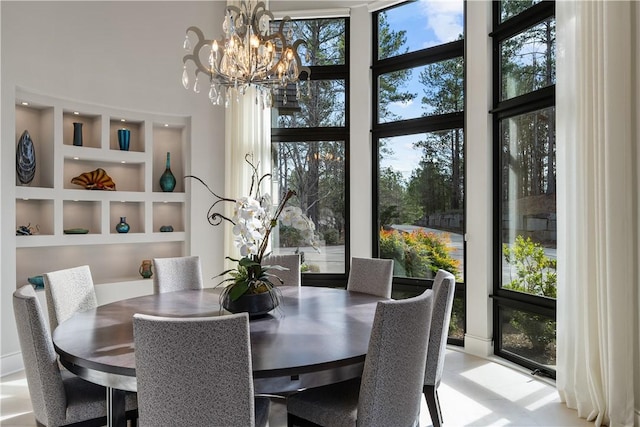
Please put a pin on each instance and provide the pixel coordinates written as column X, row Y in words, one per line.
column 315, row 330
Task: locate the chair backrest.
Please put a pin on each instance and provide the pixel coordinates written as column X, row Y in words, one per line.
column 391, row 387
column 176, row 274
column 371, row 275
column 194, row 371
column 444, row 286
column 68, row 291
column 45, row 384
column 290, row 277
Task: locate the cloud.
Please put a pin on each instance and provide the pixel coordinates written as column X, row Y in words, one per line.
column 444, row 18
column 402, row 104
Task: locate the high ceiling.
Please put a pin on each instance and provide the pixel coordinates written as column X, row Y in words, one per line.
column 294, row 5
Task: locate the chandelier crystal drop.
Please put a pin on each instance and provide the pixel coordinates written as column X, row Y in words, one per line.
column 251, row 52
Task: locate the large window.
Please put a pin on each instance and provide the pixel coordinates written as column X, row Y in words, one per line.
column 525, row 183
column 418, row 137
column 309, row 145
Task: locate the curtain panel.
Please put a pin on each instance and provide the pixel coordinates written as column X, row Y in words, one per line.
column 247, row 131
column 597, row 320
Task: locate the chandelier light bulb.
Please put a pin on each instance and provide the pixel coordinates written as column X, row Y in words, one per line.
column 255, row 42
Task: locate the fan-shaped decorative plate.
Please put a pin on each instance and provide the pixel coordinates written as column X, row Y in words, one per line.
column 95, row 180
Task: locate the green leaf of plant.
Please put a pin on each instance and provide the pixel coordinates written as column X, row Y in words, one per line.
column 237, row 290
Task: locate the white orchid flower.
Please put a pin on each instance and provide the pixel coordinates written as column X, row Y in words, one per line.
column 289, row 214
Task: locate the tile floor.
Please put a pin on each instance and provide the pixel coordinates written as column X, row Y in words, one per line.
column 474, row 392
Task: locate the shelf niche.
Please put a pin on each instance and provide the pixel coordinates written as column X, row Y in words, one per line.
column 136, row 139
column 38, row 121
column 91, row 128
column 82, row 214
column 37, row 214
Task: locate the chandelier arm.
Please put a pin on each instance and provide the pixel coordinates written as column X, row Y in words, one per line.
column 235, row 13
column 302, row 68
column 195, row 55
column 279, row 35
column 259, row 11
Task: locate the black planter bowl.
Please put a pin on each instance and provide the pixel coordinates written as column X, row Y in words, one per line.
column 256, row 305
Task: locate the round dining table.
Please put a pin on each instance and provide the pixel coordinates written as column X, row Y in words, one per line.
column 316, row 336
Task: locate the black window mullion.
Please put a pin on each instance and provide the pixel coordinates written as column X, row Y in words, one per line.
column 431, row 55
column 419, row 125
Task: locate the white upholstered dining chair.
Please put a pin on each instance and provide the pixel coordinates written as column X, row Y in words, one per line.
column 176, row 274
column 371, row 275
column 68, row 291
column 444, row 286
column 389, row 392
column 205, row 371
column 291, row 276
column 58, row 397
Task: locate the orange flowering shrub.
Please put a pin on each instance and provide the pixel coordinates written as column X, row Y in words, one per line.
column 419, row 253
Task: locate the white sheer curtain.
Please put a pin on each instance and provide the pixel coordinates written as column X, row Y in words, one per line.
column 247, row 131
column 597, row 217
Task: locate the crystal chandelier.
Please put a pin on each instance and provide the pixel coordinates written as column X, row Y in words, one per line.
column 250, row 53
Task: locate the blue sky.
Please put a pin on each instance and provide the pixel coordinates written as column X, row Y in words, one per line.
column 427, row 23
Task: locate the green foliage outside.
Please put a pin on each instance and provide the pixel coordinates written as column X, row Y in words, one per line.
column 418, row 254
column 536, row 275
column 535, row 271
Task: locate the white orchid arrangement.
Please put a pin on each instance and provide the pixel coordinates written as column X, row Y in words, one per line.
column 254, row 218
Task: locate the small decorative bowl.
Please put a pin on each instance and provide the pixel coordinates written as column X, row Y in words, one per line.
column 166, row 228
column 36, row 281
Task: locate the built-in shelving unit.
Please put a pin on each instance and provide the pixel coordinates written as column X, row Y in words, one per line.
column 51, row 204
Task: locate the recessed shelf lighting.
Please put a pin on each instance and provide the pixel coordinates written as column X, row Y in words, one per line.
column 76, row 113
column 123, row 161
column 24, row 103
column 123, row 120
column 166, row 125
column 25, row 199
column 76, row 158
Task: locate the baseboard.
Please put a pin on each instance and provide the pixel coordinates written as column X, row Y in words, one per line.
column 478, row 346
column 11, row 363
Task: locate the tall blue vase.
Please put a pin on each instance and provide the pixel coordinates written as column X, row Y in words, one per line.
column 124, row 135
column 167, row 180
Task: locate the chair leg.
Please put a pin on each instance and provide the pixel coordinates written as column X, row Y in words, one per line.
column 293, row 420
column 431, row 395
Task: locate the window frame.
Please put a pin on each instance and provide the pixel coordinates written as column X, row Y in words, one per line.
column 526, row 103
column 314, row 134
column 419, row 125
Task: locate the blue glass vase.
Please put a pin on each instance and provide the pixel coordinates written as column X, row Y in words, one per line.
column 124, row 135
column 122, row 226
column 167, row 180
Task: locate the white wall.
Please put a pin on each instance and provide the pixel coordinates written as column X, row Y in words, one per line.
column 120, row 54
column 360, row 224
column 479, row 183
